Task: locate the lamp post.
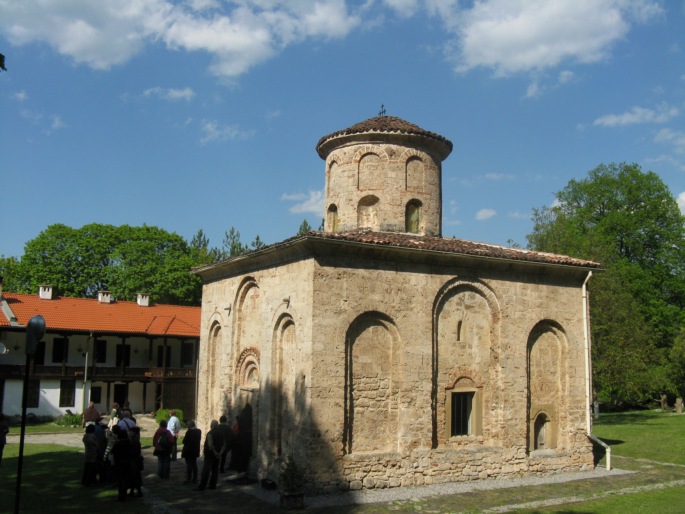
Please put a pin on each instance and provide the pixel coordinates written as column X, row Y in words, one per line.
column 35, row 329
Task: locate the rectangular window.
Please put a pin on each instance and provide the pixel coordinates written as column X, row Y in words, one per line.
column 33, row 393
column 39, row 356
column 96, row 394
column 60, row 350
column 462, row 413
column 187, row 354
column 100, row 351
column 123, row 355
column 67, row 390
column 160, row 356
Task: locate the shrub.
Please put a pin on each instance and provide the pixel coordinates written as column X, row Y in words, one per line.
column 164, row 414
column 69, row 420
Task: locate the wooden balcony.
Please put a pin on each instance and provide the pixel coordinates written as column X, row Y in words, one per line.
column 16, row 371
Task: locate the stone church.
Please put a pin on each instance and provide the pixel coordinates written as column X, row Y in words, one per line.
column 378, row 353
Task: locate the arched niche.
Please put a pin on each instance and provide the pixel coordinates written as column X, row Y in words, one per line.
column 367, row 212
column 372, row 384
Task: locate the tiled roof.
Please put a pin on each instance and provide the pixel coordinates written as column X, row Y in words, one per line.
column 451, row 245
column 388, row 124
column 446, row 245
column 84, row 314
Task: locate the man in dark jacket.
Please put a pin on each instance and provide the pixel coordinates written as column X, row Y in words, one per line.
column 214, row 447
column 191, row 451
column 227, row 433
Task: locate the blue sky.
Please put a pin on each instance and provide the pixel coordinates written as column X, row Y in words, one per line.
column 205, row 113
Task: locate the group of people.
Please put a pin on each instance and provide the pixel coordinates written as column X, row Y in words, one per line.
column 221, row 440
column 113, row 452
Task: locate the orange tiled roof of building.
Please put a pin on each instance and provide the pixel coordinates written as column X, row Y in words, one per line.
column 85, row 315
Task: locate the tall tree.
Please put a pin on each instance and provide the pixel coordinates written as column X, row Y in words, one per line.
column 628, row 220
column 124, row 260
column 232, row 245
column 304, row 228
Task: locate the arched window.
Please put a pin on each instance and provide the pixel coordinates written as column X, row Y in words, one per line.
column 367, row 212
column 415, row 174
column 412, row 216
column 332, row 218
column 369, row 171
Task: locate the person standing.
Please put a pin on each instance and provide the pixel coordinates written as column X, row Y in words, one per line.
column 90, row 445
column 174, row 426
column 191, row 451
column 121, row 451
column 227, row 433
column 90, row 414
column 136, row 482
column 162, row 441
column 127, row 422
column 214, row 446
column 4, row 430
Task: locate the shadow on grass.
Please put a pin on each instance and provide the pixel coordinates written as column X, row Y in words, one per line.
column 51, row 482
column 628, row 418
column 599, row 452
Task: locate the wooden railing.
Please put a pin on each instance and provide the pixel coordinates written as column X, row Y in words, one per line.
column 16, row 371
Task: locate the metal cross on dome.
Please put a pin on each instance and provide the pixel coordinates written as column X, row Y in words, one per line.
column 382, row 111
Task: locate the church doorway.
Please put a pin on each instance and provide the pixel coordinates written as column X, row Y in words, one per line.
column 540, row 431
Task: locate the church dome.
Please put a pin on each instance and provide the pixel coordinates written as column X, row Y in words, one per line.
column 384, row 174
column 382, row 125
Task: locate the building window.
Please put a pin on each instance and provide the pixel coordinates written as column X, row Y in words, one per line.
column 96, row 394
column 161, row 360
column 33, row 393
column 187, row 354
column 39, row 356
column 100, row 351
column 67, row 390
column 412, row 217
column 462, row 413
column 60, row 350
column 463, row 410
column 123, row 355
column 332, row 218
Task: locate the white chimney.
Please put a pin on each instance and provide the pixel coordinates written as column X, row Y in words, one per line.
column 104, row 297
column 45, row 292
column 143, row 299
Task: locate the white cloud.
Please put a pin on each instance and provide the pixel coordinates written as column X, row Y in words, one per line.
column 518, row 215
column 673, row 137
column 681, row 202
column 57, row 123
column 566, row 76
column 403, row 7
column 170, row 94
column 661, row 114
column 485, row 214
column 511, row 36
column 20, row 96
column 214, row 131
column 239, row 35
column 312, row 202
column 497, row 177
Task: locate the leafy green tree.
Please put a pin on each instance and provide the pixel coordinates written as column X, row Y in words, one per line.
column 304, row 228
column 9, row 273
column 629, row 221
column 124, row 260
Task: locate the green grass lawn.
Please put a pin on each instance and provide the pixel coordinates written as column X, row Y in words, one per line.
column 51, row 482
column 648, row 434
column 45, row 428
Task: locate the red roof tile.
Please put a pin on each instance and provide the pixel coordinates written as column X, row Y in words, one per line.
column 451, row 245
column 388, row 125
column 85, row 315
